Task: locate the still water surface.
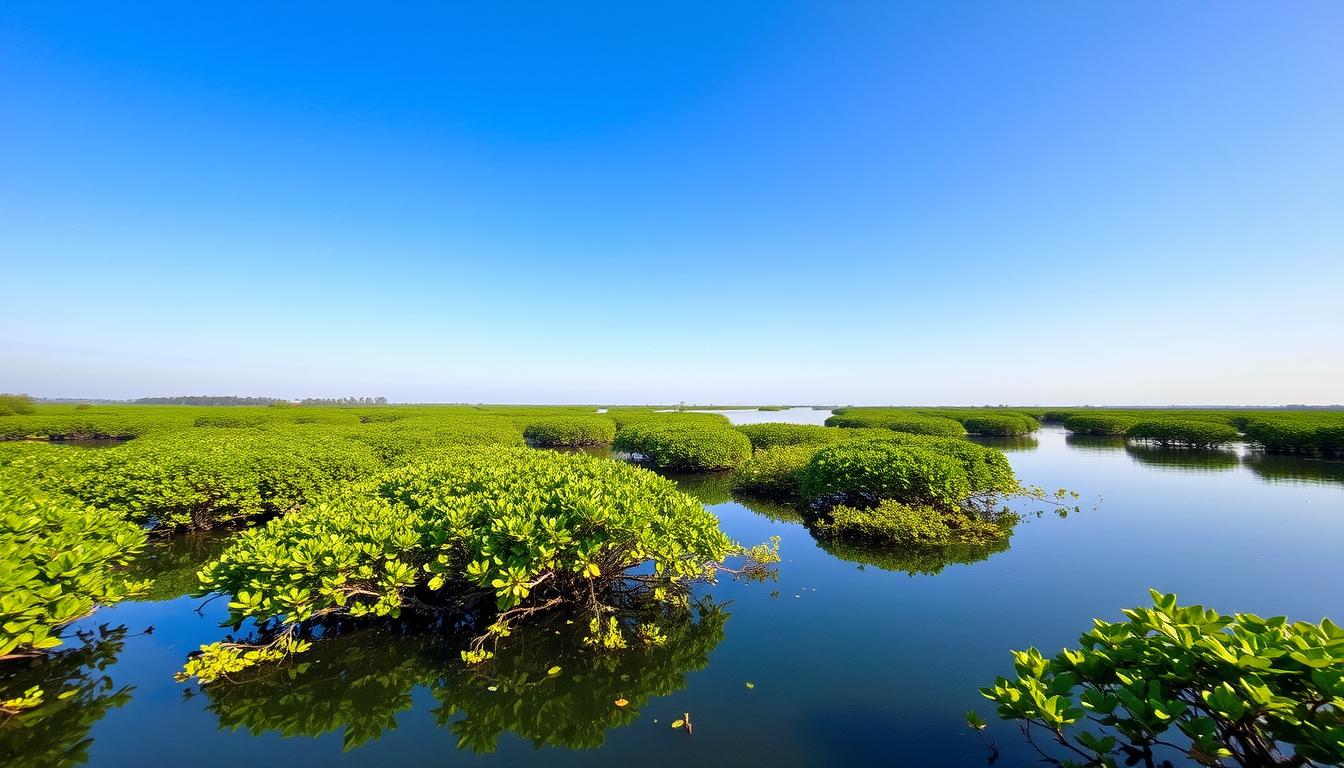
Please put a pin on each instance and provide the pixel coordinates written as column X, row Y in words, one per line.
column 854, row 659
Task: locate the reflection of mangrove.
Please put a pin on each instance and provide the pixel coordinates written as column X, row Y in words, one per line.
column 1095, row 442
column 358, row 679
column 1007, row 443
column 916, row 560
column 779, row 511
column 1190, row 459
column 172, row 563
column 709, row 488
column 1280, row 468
column 76, row 694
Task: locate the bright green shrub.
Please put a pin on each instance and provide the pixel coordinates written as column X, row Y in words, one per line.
column 909, row 423
column 987, row 469
column 1182, row 432
column 570, row 431
column 682, row 444
column 1097, row 424
column 499, row 531
column 866, row 473
column 772, row 434
column 15, row 405
column 1000, row 424
column 774, row 472
column 1309, row 433
column 203, row 479
column 58, row 562
column 230, row 421
column 395, row 441
column 1236, row 688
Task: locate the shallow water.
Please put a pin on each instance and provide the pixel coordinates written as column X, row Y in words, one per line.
column 854, row 660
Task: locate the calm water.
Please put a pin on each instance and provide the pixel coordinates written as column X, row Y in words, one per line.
column 854, row 659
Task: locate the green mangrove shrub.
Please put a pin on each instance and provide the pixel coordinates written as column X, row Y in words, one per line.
column 557, row 431
column 1176, row 679
column 201, row 480
column 864, row 474
column 1182, row 432
column 499, row 535
column 1000, row 424
column 684, row 444
column 1098, row 424
column 774, row 472
column 1318, row 434
column 909, row 423
column 772, row 434
column 59, row 561
column 15, row 405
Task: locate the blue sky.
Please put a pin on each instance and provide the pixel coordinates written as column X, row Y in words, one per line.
column 856, row 202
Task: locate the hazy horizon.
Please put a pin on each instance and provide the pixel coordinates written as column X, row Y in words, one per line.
column 873, row 203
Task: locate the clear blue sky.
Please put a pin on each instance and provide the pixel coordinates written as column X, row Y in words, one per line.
column 866, row 202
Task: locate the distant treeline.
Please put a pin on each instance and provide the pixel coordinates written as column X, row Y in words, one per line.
column 207, row 400
column 235, row 400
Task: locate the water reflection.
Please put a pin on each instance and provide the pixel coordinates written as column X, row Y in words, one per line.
column 916, row 561
column 358, row 681
column 77, row 694
column 1185, row 459
column 709, row 488
column 779, row 511
column 1095, row 442
column 1007, row 443
column 1279, row 469
column 172, row 564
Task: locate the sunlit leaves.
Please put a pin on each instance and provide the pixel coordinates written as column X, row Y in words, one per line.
column 522, row 526
column 58, row 562
column 1236, row 687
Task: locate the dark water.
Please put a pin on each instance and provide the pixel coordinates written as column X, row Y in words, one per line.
column 857, row 657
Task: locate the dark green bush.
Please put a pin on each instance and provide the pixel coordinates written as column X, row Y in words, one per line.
column 570, row 431
column 1298, row 433
column 1182, row 432
column 772, row 434
column 908, row 423
column 684, row 444
column 1098, row 424
column 774, row 472
column 866, row 473
column 1000, row 424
